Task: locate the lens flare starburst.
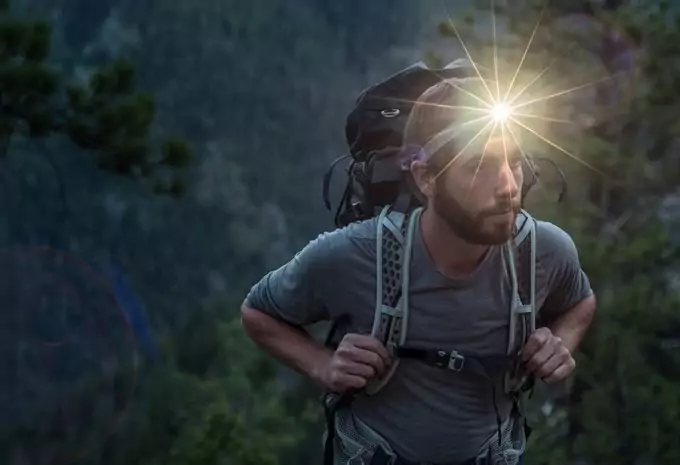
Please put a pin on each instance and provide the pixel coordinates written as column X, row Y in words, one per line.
column 504, row 113
column 500, row 112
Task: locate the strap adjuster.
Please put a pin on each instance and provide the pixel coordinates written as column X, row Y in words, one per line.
column 452, row 360
column 456, row 361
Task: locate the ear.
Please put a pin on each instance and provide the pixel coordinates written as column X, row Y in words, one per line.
column 423, row 178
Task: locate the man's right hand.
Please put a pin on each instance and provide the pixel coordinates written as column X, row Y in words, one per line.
column 357, row 359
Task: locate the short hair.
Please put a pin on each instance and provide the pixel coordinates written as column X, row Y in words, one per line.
column 439, row 109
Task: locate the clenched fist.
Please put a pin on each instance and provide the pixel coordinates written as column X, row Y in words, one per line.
column 547, row 357
column 357, row 359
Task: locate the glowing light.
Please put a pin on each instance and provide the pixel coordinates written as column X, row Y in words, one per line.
column 500, row 112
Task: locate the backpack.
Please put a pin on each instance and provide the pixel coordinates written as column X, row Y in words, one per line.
column 377, row 186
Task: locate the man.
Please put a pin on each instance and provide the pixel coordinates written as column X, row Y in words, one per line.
column 458, row 297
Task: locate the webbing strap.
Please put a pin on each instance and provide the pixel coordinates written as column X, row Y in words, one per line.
column 484, row 366
column 394, row 224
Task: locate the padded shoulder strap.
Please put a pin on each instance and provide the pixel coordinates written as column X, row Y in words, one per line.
column 520, row 257
column 525, row 253
column 394, row 244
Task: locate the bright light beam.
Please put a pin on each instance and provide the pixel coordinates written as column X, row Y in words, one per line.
column 536, row 78
column 542, row 118
column 501, row 112
column 505, row 153
column 486, row 108
column 465, row 91
column 472, row 139
column 481, row 160
column 562, row 92
column 566, row 152
column 524, row 155
column 495, row 52
column 460, row 39
column 524, row 55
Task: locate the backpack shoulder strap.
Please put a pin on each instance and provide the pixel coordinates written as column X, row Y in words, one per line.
column 394, row 245
column 525, row 245
column 520, row 255
column 394, row 242
column 526, row 266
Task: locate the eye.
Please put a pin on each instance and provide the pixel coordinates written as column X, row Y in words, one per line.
column 481, row 163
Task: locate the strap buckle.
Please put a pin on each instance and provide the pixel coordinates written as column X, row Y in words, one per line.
column 455, row 360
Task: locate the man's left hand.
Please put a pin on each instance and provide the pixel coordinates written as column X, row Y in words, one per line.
column 546, row 357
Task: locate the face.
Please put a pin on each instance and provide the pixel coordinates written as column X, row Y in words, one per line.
column 478, row 196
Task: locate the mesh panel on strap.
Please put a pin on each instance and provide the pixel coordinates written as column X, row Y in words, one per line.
column 392, row 259
column 512, row 444
column 355, row 442
column 523, row 262
column 391, row 272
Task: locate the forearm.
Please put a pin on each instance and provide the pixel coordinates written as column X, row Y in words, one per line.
column 573, row 324
column 294, row 347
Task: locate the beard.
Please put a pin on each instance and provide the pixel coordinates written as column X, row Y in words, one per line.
column 472, row 228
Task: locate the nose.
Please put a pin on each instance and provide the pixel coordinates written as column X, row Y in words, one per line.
column 508, row 185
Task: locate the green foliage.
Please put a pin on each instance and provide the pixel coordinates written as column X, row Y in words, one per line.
column 108, row 116
column 105, row 115
column 225, row 405
column 233, row 413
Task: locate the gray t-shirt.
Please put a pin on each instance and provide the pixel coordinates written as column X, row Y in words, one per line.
column 425, row 413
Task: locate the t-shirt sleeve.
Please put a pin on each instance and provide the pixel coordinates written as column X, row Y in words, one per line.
column 567, row 283
column 295, row 291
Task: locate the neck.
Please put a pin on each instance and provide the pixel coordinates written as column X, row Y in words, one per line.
column 453, row 256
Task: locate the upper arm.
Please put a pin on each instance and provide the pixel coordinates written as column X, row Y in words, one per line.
column 567, row 283
column 295, row 292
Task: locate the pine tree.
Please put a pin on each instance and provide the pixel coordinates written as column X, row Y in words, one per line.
column 106, row 115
